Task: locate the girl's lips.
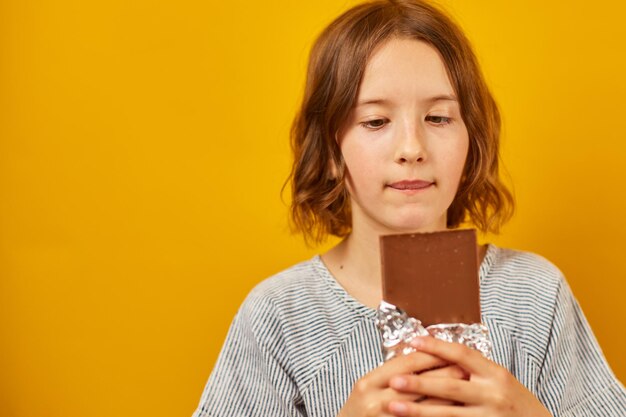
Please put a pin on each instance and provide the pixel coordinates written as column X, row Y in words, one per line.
column 410, row 185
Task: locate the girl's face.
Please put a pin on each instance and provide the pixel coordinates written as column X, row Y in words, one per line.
column 404, row 143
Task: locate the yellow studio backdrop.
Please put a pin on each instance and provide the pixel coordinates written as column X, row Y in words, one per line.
column 143, row 146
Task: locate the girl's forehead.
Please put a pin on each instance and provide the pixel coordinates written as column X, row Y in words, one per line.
column 404, row 67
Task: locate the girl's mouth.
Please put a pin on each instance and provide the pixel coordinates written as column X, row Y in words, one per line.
column 411, row 185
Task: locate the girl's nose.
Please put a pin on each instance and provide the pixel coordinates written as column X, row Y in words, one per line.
column 410, row 146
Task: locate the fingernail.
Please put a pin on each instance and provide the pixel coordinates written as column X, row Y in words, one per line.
column 398, row 383
column 398, row 408
column 417, row 342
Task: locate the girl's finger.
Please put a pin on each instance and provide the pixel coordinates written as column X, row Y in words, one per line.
column 469, row 359
column 457, row 390
column 451, row 371
column 408, row 409
column 409, row 364
column 390, row 395
column 435, row 401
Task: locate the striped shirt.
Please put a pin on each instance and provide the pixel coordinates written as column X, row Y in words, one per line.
column 299, row 342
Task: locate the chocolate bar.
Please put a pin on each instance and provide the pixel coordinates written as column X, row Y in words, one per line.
column 433, row 277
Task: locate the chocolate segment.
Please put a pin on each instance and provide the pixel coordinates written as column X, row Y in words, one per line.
column 432, row 276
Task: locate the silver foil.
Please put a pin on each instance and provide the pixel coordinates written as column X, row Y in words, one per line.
column 398, row 329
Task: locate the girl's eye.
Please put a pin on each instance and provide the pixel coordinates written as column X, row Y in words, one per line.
column 374, row 124
column 438, row 120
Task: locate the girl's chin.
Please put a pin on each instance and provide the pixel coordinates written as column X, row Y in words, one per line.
column 415, row 227
column 398, row 221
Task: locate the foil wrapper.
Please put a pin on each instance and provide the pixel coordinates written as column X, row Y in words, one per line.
column 398, row 329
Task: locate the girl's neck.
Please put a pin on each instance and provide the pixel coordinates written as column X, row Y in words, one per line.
column 355, row 264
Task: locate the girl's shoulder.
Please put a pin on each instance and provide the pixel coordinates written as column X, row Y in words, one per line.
column 297, row 284
column 520, row 293
column 514, row 283
column 302, row 293
column 302, row 317
column 287, row 280
column 519, row 269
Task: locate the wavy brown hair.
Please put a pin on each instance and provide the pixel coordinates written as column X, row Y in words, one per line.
column 320, row 203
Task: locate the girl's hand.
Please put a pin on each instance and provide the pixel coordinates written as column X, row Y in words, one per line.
column 490, row 391
column 371, row 395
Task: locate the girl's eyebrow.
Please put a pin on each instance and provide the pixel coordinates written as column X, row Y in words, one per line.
column 383, row 101
column 366, row 102
column 442, row 97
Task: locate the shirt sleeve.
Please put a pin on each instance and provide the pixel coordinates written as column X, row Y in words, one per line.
column 575, row 378
column 251, row 377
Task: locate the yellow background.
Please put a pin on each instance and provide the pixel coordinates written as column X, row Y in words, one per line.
column 143, row 145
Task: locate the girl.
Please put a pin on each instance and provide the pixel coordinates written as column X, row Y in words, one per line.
column 398, row 133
